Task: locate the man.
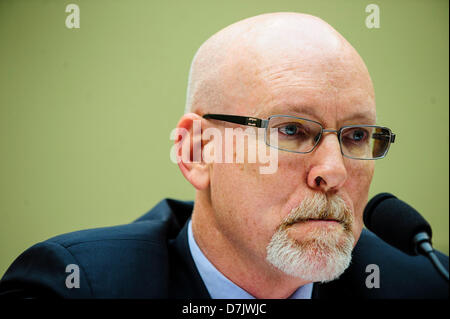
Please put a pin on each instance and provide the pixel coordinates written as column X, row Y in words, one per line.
column 289, row 233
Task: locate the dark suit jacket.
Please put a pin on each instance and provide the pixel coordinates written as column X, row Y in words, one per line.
column 150, row 258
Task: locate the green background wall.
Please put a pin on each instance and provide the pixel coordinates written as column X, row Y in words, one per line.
column 85, row 114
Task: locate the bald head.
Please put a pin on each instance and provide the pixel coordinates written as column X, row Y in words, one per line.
column 267, row 50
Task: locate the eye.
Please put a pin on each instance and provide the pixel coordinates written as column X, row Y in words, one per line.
column 356, row 135
column 292, row 130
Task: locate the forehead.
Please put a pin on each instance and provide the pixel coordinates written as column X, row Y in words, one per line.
column 332, row 93
column 299, row 73
column 332, row 110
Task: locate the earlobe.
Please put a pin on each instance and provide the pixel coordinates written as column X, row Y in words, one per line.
column 189, row 149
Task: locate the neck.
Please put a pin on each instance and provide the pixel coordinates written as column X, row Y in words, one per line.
column 246, row 269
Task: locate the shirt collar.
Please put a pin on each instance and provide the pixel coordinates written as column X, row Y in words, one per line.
column 219, row 286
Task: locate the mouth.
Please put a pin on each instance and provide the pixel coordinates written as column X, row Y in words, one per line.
column 315, row 220
column 322, row 220
column 312, row 224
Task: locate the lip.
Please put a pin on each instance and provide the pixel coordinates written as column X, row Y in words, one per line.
column 316, row 221
column 322, row 221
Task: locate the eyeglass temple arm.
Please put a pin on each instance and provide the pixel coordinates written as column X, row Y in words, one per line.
column 381, row 136
column 242, row 120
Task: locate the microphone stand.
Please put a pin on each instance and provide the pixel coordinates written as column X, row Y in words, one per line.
column 423, row 247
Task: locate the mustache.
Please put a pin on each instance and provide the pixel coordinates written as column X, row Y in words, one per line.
column 320, row 207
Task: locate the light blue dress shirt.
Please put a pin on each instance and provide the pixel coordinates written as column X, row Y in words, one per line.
column 219, row 286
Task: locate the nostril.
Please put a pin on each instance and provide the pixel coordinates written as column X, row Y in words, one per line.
column 318, row 180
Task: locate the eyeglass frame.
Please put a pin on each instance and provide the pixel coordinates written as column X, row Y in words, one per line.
column 264, row 123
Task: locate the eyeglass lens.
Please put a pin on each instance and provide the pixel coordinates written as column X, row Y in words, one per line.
column 302, row 136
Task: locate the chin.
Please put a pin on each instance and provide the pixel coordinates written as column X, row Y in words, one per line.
column 322, row 255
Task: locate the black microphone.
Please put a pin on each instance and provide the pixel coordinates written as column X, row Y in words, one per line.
column 401, row 226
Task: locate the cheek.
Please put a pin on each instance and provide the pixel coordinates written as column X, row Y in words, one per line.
column 357, row 187
column 240, row 201
column 244, row 188
column 250, row 204
column 247, row 181
column 277, row 192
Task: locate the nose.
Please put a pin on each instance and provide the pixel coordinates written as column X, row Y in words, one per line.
column 327, row 170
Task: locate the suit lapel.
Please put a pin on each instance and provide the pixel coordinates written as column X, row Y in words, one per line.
column 185, row 281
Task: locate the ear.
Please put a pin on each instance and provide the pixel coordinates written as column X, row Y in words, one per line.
column 189, row 149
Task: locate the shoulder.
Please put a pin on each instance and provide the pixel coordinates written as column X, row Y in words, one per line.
column 125, row 261
column 148, row 231
column 379, row 270
column 109, row 262
column 155, row 227
column 371, row 248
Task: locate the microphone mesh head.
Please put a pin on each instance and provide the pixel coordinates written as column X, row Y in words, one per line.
column 395, row 222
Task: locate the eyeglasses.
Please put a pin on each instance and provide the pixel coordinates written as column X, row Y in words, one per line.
column 300, row 135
